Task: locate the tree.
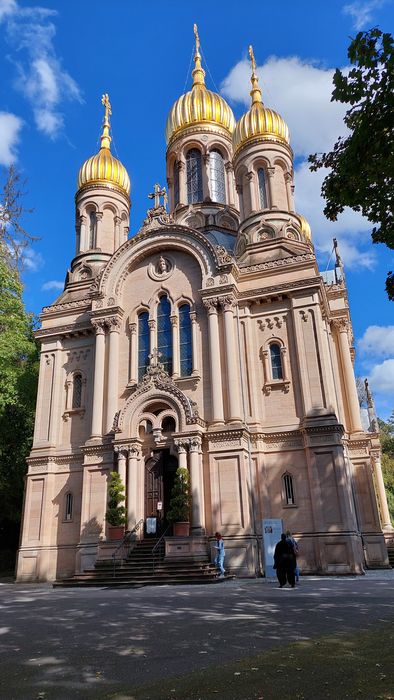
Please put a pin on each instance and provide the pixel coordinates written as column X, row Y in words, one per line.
column 116, row 512
column 387, row 439
column 13, row 236
column 180, row 501
column 362, row 163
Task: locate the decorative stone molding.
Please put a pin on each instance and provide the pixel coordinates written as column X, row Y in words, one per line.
column 182, row 444
column 195, row 444
column 223, row 279
column 162, row 269
column 114, row 323
column 271, row 322
column 341, row 325
column 211, row 304
column 281, row 262
column 66, row 306
column 77, row 356
column 99, row 326
column 304, row 315
column 224, row 257
column 227, row 303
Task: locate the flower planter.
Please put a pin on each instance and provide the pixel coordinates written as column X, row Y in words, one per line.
column 116, row 532
column 181, row 529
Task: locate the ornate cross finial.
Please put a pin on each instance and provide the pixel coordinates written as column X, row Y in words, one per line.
column 195, row 29
column 157, row 193
column 255, row 91
column 105, row 101
column 198, row 72
column 251, row 55
column 105, row 137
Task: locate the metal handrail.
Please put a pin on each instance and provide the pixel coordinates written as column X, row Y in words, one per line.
column 156, row 547
column 127, row 540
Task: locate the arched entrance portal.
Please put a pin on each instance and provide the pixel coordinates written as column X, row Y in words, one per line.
column 160, row 471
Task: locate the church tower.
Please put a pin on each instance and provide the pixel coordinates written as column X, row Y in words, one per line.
column 102, row 206
column 200, row 174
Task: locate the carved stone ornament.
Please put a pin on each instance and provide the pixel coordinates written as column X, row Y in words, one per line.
column 223, row 255
column 210, row 282
column 161, row 269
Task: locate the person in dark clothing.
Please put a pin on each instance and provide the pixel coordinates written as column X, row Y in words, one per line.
column 285, row 562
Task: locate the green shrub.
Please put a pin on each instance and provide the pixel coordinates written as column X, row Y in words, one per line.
column 116, row 513
column 180, row 501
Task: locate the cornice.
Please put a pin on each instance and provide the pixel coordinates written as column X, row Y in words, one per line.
column 280, row 288
column 280, row 262
column 65, row 306
column 69, row 329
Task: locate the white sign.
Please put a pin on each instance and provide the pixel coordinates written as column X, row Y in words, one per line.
column 272, row 530
column 159, row 505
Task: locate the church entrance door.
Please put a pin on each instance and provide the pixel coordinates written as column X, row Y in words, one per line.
column 159, row 479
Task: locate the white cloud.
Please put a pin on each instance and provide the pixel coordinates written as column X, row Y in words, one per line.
column 10, row 126
column 362, row 12
column 377, row 341
column 52, row 284
column 40, row 75
column 301, row 92
column 32, row 261
column 381, row 378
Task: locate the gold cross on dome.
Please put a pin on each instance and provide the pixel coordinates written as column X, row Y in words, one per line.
column 195, row 29
column 105, row 101
column 251, row 55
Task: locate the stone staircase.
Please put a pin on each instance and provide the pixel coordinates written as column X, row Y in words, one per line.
column 390, row 552
column 142, row 567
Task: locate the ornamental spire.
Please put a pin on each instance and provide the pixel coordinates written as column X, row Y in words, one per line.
column 105, row 137
column 255, row 92
column 198, row 72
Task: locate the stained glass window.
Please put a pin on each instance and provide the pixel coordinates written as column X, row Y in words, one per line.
column 176, row 184
column 164, row 333
column 143, row 343
column 289, row 490
column 185, row 341
column 217, row 177
column 194, row 176
column 92, row 229
column 276, row 361
column 262, row 188
column 77, row 391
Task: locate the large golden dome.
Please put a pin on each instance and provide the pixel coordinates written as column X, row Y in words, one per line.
column 259, row 121
column 199, row 106
column 104, row 168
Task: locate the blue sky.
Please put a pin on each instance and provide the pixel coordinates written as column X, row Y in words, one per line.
column 58, row 57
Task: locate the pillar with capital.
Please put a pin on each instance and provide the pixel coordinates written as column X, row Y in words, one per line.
column 271, row 187
column 99, row 218
column 230, row 183
column 133, row 369
column 182, row 182
column 234, row 397
column 175, row 346
column 342, row 328
column 193, row 319
column 118, row 241
column 214, row 361
column 113, row 370
column 98, row 381
column 252, row 192
column 197, row 486
column 133, row 512
column 121, row 452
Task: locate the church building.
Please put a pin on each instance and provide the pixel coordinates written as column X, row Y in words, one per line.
column 209, row 340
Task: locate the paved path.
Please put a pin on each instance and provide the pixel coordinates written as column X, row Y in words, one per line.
column 66, row 644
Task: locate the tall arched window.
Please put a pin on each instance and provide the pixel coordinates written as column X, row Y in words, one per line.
column 143, row 343
column 217, row 177
column 92, row 229
column 176, row 183
column 185, row 341
column 288, row 490
column 68, row 510
column 262, row 188
column 77, row 391
column 164, row 333
column 276, row 361
column 194, row 176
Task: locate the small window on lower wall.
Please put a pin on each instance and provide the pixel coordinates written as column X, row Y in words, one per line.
column 68, row 513
column 288, row 490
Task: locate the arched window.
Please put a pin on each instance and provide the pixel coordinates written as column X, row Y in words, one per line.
column 92, row 229
column 185, row 341
column 77, row 391
column 262, row 188
column 288, row 490
column 143, row 343
column 276, row 361
column 217, row 177
column 176, row 183
column 194, row 176
column 68, row 507
column 164, row 334
column 168, row 425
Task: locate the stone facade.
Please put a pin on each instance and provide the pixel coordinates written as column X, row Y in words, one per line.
column 256, row 393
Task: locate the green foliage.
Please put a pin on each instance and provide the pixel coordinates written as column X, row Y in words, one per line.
column 180, row 501
column 116, row 513
column 362, row 163
column 387, row 440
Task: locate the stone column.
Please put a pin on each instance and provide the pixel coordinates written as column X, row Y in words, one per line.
column 117, row 241
column 133, row 360
column 132, row 486
column 83, row 242
column 152, row 335
column 289, row 191
column 230, row 184
column 271, row 188
column 381, row 492
column 214, row 361
column 182, row 182
column 175, row 347
column 99, row 218
column 234, row 396
column 249, row 344
column 197, row 486
column 98, row 381
column 121, row 452
column 206, row 190
column 113, row 371
column 181, row 446
column 193, row 319
column 252, row 191
column 342, row 328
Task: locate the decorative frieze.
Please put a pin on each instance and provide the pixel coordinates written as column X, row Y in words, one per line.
column 280, row 262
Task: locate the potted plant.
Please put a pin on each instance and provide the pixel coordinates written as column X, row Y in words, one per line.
column 180, row 502
column 116, row 512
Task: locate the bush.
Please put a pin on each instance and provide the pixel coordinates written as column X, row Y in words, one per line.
column 180, row 501
column 116, row 513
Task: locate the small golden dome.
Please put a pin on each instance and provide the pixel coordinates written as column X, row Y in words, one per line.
column 104, row 168
column 305, row 227
column 259, row 121
column 199, row 106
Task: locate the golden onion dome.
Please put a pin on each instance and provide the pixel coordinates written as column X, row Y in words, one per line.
column 259, row 121
column 199, row 106
column 305, row 227
column 104, row 168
